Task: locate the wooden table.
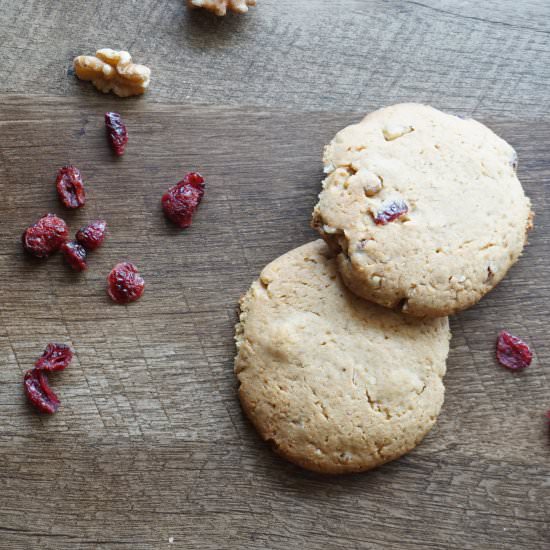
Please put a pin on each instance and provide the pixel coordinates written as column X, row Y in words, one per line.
column 150, row 449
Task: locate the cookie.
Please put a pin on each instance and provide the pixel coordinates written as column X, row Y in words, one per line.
column 334, row 383
column 424, row 209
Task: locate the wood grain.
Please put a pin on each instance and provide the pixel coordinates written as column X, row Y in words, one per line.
column 476, row 58
column 150, row 442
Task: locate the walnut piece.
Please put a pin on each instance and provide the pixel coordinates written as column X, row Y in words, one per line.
column 114, row 71
column 220, row 7
column 370, row 182
column 394, row 131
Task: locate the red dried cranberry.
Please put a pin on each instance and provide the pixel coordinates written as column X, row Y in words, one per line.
column 75, row 255
column 45, row 236
column 180, row 202
column 92, row 235
column 390, row 212
column 547, row 414
column 55, row 357
column 512, row 352
column 125, row 284
column 117, row 133
column 38, row 391
column 70, row 187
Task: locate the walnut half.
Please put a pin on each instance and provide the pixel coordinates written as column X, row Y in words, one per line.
column 111, row 70
column 220, row 7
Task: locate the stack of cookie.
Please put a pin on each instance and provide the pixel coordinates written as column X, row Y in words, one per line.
column 342, row 342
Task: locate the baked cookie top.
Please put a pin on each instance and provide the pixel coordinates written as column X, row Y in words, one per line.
column 424, row 208
column 336, row 384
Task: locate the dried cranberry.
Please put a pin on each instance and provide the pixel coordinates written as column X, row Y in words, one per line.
column 117, row 133
column 547, row 414
column 125, row 284
column 512, row 352
column 38, row 391
column 180, row 202
column 75, row 255
column 390, row 212
column 92, row 235
column 55, row 357
column 70, row 187
column 45, row 236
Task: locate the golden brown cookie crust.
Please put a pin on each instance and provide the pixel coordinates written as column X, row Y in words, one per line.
column 467, row 213
column 334, row 383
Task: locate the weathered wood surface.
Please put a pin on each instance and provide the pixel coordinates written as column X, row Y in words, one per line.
column 486, row 58
column 150, row 442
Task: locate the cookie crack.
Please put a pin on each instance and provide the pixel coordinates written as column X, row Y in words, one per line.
column 319, row 404
column 264, row 285
column 379, row 448
column 402, row 305
column 376, row 407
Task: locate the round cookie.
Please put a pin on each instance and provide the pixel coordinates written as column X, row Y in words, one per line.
column 424, row 208
column 336, row 384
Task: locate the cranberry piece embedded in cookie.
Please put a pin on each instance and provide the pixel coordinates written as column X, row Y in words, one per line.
column 512, row 352
column 390, row 211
